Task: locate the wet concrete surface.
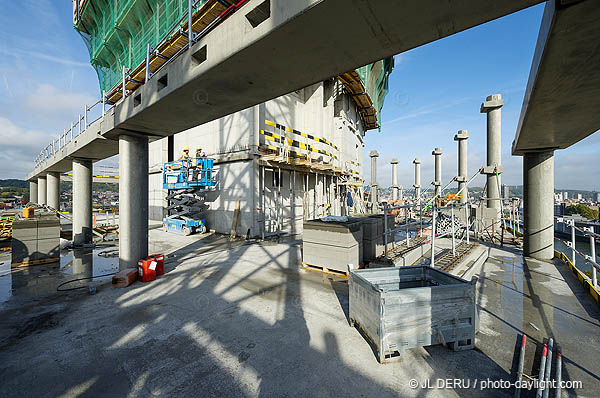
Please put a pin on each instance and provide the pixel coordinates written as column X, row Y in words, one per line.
column 242, row 319
column 542, row 300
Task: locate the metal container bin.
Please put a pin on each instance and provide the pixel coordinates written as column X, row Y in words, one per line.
column 405, row 307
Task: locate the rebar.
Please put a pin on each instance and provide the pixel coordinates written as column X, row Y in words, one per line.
column 542, row 372
column 548, row 369
column 521, row 363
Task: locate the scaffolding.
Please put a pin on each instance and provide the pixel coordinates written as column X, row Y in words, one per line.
column 368, row 86
column 128, row 40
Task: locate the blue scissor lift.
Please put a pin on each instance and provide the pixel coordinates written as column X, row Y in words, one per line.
column 186, row 180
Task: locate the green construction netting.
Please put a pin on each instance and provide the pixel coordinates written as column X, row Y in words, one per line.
column 375, row 77
column 117, row 32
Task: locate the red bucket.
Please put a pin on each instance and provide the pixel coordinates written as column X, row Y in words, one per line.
column 160, row 263
column 147, row 270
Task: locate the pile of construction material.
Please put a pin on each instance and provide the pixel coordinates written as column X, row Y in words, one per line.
column 6, row 220
column 332, row 243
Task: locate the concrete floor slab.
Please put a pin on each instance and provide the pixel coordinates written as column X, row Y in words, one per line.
column 241, row 319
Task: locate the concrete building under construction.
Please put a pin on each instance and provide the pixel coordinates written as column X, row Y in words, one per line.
column 289, row 159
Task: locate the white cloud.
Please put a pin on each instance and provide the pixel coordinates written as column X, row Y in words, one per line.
column 49, row 100
column 19, row 148
column 20, row 53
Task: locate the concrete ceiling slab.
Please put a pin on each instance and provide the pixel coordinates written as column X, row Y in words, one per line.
column 301, row 42
column 562, row 100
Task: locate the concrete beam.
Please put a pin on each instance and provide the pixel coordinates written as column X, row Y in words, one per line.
column 238, row 72
column 562, row 98
column 82, row 201
column 538, row 205
column 53, row 190
column 42, row 191
column 133, row 200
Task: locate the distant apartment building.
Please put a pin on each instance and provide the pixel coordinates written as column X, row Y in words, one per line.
column 558, row 197
column 579, row 196
column 597, row 196
column 565, row 195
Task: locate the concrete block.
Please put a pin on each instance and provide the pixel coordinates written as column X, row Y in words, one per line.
column 332, row 233
column 48, row 247
column 332, row 257
column 35, row 239
column 24, row 229
column 22, row 250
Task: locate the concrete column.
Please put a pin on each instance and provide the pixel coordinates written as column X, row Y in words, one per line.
column 462, row 136
column 33, row 191
column 83, row 262
column 53, row 190
column 133, row 200
column 417, row 184
column 400, row 193
column 374, row 187
column 538, row 205
column 492, row 106
column 41, row 190
column 437, row 183
column 82, row 202
column 394, row 179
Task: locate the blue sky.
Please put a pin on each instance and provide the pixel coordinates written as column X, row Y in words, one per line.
column 435, row 90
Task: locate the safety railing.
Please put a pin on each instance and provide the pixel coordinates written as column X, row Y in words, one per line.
column 433, row 205
column 77, row 128
column 81, row 125
column 591, row 258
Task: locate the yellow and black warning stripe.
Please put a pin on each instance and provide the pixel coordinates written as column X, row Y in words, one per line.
column 293, row 143
column 305, row 135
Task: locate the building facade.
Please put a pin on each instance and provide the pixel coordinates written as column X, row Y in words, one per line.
column 291, row 159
